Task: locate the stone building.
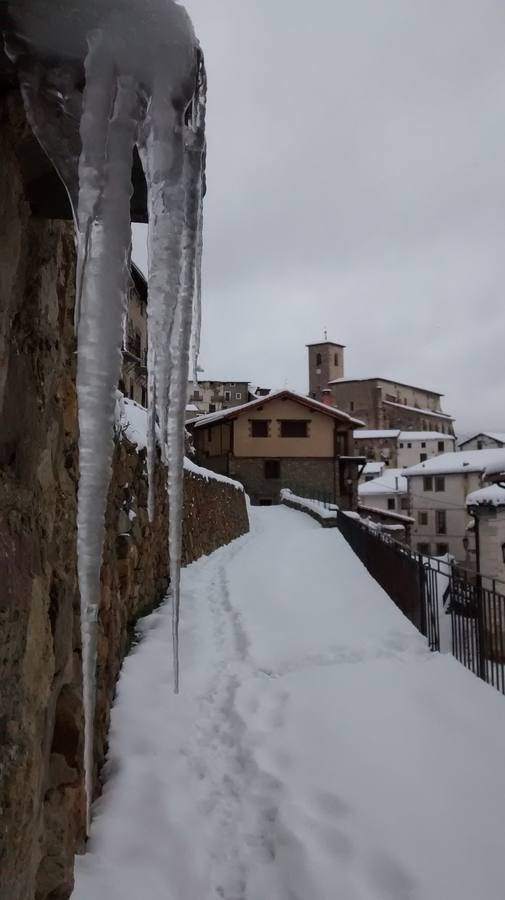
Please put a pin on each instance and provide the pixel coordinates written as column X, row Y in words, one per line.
column 487, row 506
column 381, row 403
column 284, row 440
column 326, row 363
column 133, row 382
column 211, row 396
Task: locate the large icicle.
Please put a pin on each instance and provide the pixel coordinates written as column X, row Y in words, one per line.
column 180, row 351
column 140, row 61
column 108, row 132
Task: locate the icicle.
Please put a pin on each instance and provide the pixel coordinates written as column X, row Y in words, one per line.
column 199, row 125
column 180, row 352
column 104, row 174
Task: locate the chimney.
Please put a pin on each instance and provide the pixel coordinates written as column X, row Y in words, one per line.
column 327, row 397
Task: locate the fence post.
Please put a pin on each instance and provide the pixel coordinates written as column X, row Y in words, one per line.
column 481, row 622
column 422, row 597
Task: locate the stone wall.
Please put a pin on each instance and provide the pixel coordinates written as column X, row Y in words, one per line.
column 41, row 723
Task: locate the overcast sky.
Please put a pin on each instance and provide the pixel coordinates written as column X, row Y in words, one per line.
column 356, row 182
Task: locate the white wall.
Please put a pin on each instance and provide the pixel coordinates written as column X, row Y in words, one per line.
column 411, row 455
column 380, row 501
column 491, row 539
column 453, row 501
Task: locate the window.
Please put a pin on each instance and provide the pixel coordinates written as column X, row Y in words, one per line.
column 442, row 549
column 423, row 443
column 196, row 395
column 423, row 457
column 144, row 397
column 404, row 503
column 238, row 396
column 336, row 359
column 318, row 359
column 259, row 428
column 294, row 428
column 351, row 405
column 272, row 468
column 212, row 407
column 439, row 483
column 427, row 483
column 441, row 521
column 422, row 518
column 227, row 395
column 391, row 502
column 425, row 549
column 480, row 445
column 401, row 446
column 409, row 446
column 441, row 446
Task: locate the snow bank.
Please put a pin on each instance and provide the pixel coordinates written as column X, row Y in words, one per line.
column 132, row 419
column 321, row 752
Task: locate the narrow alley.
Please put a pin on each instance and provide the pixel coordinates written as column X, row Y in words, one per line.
column 317, row 749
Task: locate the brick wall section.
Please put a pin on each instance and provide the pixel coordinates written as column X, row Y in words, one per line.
column 41, row 723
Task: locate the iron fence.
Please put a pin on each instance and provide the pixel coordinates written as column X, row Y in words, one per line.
column 459, row 612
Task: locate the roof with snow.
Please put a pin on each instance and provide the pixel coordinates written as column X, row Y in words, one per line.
column 371, row 433
column 391, row 482
column 388, row 381
column 386, row 513
column 234, row 411
column 459, row 462
column 417, row 409
column 492, row 495
column 425, row 436
column 373, row 468
column 498, row 436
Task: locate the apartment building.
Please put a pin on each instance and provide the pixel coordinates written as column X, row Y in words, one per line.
column 212, row 396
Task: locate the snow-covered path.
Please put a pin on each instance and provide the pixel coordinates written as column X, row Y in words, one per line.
column 317, row 750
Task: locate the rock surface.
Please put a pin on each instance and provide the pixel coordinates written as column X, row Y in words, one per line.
column 41, row 722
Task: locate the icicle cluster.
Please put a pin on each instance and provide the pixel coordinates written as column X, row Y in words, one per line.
column 144, row 86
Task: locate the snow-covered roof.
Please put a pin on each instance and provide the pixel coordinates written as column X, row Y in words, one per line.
column 233, row 411
column 423, row 412
column 425, row 436
column 459, row 461
column 371, row 433
column 494, row 435
column 191, row 407
column 387, row 381
column 373, row 468
column 496, row 465
column 391, row 482
column 492, row 495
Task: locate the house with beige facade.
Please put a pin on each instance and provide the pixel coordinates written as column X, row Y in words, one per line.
column 381, row 403
column 438, row 490
column 283, row 440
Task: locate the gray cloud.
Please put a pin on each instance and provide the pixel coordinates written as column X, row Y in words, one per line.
column 356, row 182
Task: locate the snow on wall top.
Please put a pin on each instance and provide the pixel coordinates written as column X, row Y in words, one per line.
column 131, row 418
column 391, row 482
column 460, row 462
column 493, row 495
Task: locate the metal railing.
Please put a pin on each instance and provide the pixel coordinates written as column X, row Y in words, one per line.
column 459, row 611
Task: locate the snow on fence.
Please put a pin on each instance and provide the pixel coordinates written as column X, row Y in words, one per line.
column 459, row 612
